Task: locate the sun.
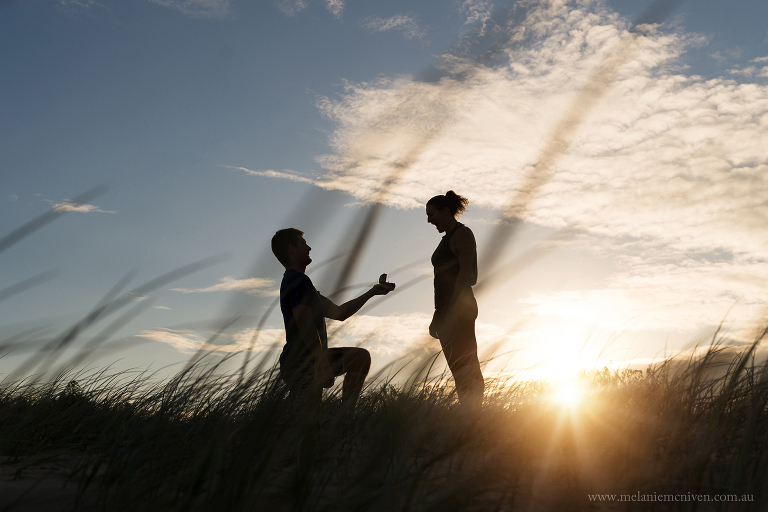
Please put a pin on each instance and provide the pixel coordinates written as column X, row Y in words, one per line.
column 568, row 394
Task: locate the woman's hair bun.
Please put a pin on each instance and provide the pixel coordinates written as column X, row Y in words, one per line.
column 455, row 203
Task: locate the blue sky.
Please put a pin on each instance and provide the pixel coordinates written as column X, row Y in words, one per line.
column 216, row 122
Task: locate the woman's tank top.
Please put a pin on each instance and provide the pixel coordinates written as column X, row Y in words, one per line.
column 446, row 266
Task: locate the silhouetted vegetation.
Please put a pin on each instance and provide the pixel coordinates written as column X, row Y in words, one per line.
column 204, row 440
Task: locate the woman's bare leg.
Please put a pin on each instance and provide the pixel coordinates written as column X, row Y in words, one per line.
column 460, row 349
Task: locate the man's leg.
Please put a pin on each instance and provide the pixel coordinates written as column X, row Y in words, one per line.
column 306, row 393
column 353, row 363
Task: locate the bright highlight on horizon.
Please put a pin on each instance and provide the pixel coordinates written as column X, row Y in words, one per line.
column 568, row 394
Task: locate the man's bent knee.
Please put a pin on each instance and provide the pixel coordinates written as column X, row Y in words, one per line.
column 361, row 360
column 358, row 360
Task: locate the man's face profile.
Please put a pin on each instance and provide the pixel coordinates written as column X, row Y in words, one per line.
column 300, row 252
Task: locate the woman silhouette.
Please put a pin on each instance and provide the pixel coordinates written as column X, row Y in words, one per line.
column 455, row 263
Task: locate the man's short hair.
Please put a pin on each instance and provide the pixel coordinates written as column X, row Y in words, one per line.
column 280, row 242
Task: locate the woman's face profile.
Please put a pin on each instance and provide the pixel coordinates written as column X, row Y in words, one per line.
column 438, row 217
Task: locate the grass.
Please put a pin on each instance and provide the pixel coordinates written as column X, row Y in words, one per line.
column 204, row 440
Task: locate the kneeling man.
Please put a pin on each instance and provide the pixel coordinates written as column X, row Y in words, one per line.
column 307, row 364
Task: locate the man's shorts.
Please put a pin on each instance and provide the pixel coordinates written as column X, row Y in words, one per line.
column 300, row 374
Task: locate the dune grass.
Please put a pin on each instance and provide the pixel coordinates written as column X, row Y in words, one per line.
column 205, row 440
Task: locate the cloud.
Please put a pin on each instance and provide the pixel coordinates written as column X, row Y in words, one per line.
column 336, row 7
column 727, row 55
column 162, row 307
column 252, row 286
column 400, row 339
column 665, row 166
column 663, row 155
column 183, row 340
column 400, row 22
column 198, row 8
column 77, row 4
column 476, row 10
column 756, row 69
column 68, row 206
column 665, row 294
column 284, row 175
column 189, row 341
column 137, row 298
column 748, row 71
column 291, row 7
column 388, row 338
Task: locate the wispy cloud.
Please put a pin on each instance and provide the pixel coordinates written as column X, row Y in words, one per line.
column 252, row 285
column 291, row 7
column 284, row 175
column 748, row 71
column 183, row 340
column 400, row 22
column 336, row 7
column 189, row 341
column 68, row 206
column 476, row 11
column 757, row 68
column 388, row 338
column 137, row 298
column 77, row 4
column 727, row 55
column 198, row 8
column 163, row 307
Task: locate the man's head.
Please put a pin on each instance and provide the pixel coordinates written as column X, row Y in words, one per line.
column 290, row 248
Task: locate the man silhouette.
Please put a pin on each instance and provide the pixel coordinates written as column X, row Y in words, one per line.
column 307, row 365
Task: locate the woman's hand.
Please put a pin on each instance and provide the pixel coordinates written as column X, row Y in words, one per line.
column 433, row 326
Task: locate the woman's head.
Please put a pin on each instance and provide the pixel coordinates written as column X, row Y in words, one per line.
column 443, row 210
column 455, row 203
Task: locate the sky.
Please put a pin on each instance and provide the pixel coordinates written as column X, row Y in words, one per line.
column 636, row 161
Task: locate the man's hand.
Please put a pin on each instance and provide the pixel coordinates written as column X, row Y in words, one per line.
column 382, row 288
column 349, row 308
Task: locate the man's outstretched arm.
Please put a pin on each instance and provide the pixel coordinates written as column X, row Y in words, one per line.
column 349, row 308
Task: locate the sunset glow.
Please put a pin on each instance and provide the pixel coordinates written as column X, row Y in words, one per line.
column 568, row 394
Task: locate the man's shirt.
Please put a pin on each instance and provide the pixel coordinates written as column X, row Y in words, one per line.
column 297, row 289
